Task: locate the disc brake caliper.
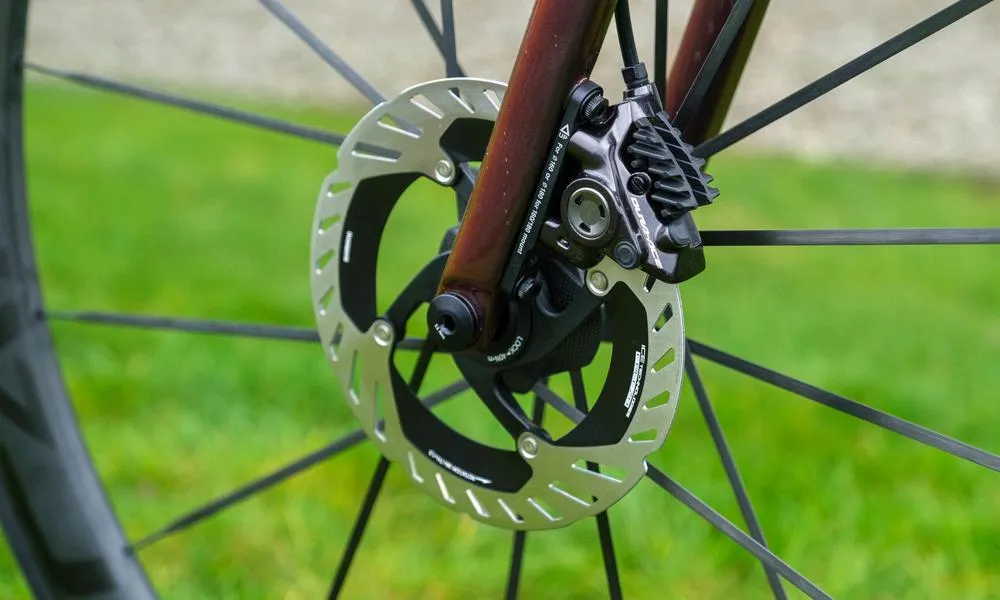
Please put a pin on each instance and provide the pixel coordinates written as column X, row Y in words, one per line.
column 607, row 236
column 632, row 187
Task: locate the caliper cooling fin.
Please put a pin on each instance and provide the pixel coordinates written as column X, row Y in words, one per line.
column 536, row 482
column 679, row 181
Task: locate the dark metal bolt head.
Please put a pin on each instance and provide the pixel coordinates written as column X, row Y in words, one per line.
column 597, row 110
column 452, row 322
column 626, row 255
column 639, row 183
column 528, row 287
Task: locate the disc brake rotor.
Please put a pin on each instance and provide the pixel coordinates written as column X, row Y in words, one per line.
column 544, row 483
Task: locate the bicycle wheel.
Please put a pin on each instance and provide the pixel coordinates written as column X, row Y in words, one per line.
column 593, row 314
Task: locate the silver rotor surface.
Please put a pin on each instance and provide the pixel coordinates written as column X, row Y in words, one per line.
column 403, row 136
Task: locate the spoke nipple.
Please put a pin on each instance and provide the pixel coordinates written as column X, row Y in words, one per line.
column 383, row 333
column 528, row 446
column 444, row 171
column 598, row 282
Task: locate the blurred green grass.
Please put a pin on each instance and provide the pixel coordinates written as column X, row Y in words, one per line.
column 142, row 209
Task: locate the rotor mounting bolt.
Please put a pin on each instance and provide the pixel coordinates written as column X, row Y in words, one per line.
column 598, row 282
column 528, row 446
column 383, row 333
column 444, row 171
column 626, row 255
column 639, row 183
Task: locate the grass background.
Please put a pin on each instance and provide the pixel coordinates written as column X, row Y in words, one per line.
column 148, row 210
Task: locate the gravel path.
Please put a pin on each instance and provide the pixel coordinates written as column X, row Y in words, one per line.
column 937, row 104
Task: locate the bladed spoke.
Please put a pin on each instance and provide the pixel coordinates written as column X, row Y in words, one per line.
column 699, row 507
column 723, row 524
column 710, row 68
column 323, row 51
column 516, row 558
column 374, row 487
column 438, row 37
column 520, row 537
column 852, row 237
column 464, row 183
column 855, row 409
column 603, row 522
column 450, row 49
column 732, row 472
column 284, row 473
column 198, row 106
column 840, row 76
column 250, row 330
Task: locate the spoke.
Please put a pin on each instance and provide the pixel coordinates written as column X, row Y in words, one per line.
column 579, row 391
column 359, row 527
column 555, row 401
column 323, row 51
column 438, row 37
column 710, row 68
column 698, row 506
column 520, row 537
column 428, row 20
column 855, row 409
column 250, row 330
column 423, row 363
column 732, row 472
column 749, row 544
column 198, row 106
column 268, row 481
column 514, row 576
column 463, row 187
column 662, row 23
column 450, row 49
column 603, row 522
column 851, row 237
column 840, row 76
column 608, row 553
